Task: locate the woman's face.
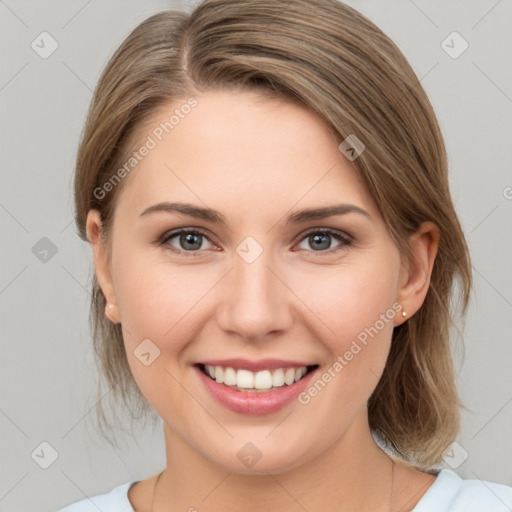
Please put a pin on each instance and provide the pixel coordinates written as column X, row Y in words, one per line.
column 258, row 288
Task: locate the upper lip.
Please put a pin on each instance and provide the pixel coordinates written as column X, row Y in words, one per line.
column 254, row 366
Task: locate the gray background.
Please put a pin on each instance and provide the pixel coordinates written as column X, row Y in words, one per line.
column 47, row 373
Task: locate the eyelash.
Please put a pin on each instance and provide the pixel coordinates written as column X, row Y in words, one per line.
column 345, row 239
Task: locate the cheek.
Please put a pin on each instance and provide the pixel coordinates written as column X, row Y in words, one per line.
column 151, row 297
column 156, row 303
column 352, row 300
column 355, row 310
column 162, row 302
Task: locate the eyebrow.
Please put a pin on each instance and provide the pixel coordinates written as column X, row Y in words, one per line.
column 216, row 217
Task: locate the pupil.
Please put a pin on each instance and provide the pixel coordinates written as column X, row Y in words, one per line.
column 188, row 238
column 318, row 238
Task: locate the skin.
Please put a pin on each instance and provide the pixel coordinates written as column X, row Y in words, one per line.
column 256, row 161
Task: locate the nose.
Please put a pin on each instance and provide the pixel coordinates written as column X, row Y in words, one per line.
column 255, row 301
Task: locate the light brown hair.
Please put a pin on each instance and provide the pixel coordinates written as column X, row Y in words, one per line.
column 329, row 58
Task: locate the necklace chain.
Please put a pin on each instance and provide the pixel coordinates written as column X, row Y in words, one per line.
column 390, row 491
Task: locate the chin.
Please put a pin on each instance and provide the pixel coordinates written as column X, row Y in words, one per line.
column 251, row 461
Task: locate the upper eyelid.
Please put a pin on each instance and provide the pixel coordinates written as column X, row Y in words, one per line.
column 174, row 232
column 340, row 232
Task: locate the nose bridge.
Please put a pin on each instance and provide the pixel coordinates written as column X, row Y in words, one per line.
column 254, row 301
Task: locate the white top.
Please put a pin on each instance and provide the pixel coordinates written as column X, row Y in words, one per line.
column 448, row 493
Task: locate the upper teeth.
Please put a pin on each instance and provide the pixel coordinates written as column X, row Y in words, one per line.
column 265, row 379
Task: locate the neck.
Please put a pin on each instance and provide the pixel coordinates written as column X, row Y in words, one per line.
column 353, row 473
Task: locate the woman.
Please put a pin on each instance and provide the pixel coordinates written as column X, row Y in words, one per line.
column 264, row 187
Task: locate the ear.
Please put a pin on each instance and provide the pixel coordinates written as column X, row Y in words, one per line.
column 416, row 272
column 101, row 264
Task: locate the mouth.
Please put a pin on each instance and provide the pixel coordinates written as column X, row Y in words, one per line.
column 262, row 381
column 255, row 388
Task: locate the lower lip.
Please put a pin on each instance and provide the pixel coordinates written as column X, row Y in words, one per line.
column 255, row 403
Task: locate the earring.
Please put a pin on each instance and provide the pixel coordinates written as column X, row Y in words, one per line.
column 404, row 313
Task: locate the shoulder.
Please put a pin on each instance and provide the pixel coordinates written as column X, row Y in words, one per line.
column 450, row 493
column 115, row 500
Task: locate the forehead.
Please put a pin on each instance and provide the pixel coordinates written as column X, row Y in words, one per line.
column 242, row 149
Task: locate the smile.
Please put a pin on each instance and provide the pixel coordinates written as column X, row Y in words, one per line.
column 246, row 380
column 254, row 392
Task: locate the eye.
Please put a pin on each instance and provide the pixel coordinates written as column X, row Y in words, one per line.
column 188, row 240
column 321, row 240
